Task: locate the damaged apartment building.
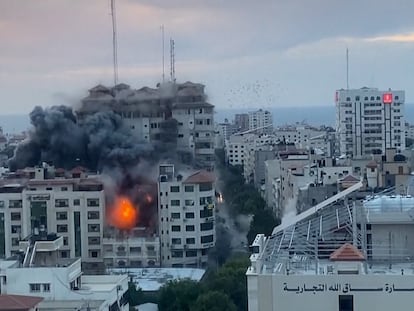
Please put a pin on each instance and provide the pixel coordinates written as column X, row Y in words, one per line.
column 174, row 117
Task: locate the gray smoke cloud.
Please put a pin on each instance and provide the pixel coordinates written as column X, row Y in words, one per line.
column 96, row 141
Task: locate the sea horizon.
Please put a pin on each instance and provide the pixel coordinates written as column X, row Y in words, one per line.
column 312, row 115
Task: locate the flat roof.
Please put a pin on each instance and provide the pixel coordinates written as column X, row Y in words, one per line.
column 151, row 279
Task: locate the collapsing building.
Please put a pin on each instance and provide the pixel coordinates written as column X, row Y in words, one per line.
column 172, row 117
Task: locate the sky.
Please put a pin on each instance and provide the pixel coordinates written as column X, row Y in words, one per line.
column 249, row 54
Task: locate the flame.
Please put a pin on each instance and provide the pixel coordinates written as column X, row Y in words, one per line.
column 123, row 214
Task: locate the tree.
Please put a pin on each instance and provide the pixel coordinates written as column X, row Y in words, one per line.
column 134, row 295
column 263, row 222
column 213, row 301
column 178, row 295
column 231, row 279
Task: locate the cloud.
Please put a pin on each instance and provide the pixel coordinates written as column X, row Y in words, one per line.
column 394, row 38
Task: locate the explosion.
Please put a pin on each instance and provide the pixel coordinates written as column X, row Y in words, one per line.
column 123, row 215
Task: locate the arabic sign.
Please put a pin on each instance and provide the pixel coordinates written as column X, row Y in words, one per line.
column 39, row 197
column 344, row 288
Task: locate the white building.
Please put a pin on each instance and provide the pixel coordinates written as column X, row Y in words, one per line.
column 72, row 207
column 234, row 148
column 60, row 281
column 261, row 121
column 368, row 121
column 304, row 136
column 337, row 256
column 186, row 217
column 277, row 189
column 133, row 249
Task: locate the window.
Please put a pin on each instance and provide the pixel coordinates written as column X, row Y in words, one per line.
column 15, row 204
column 175, row 189
column 175, row 228
column 76, row 202
column 15, row 241
column 189, row 215
column 189, row 203
column 175, row 215
column 15, row 216
column 46, row 287
column 346, row 303
column 206, row 213
column 62, row 228
column 94, row 228
column 61, row 215
column 94, row 241
column 206, row 186
column 94, row 254
column 64, row 189
column 192, row 253
column 92, row 202
column 206, row 200
column 190, row 228
column 61, row 202
column 1, row 204
column 177, row 254
column 65, row 241
column 93, row 215
column 16, row 229
column 207, row 239
column 176, row 241
column 189, row 188
column 175, row 202
column 190, row 240
column 135, row 249
column 206, row 226
column 34, row 287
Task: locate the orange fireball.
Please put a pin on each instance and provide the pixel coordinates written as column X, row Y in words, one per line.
column 123, row 214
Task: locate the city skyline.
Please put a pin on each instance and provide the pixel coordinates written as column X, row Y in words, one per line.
column 248, row 55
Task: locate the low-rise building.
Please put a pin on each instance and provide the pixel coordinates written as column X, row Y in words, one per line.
column 339, row 255
column 41, row 272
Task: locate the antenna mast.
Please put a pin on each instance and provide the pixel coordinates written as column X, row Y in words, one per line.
column 172, row 60
column 114, row 42
column 347, row 69
column 163, row 54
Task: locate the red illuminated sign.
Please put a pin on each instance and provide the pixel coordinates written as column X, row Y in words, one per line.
column 387, row 98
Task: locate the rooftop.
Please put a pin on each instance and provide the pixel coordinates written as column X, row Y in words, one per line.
column 151, row 279
column 200, row 177
column 18, row 302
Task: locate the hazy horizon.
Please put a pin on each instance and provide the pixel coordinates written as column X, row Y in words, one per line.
column 313, row 115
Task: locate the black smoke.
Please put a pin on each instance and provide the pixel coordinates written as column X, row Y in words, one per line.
column 97, row 141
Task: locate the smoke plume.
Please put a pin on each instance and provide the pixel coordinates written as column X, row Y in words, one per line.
column 98, row 140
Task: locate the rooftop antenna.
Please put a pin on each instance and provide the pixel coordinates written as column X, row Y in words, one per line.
column 163, row 53
column 172, row 60
column 114, row 42
column 347, row 69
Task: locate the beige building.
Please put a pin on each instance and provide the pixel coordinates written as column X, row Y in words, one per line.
column 71, row 206
column 186, row 217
